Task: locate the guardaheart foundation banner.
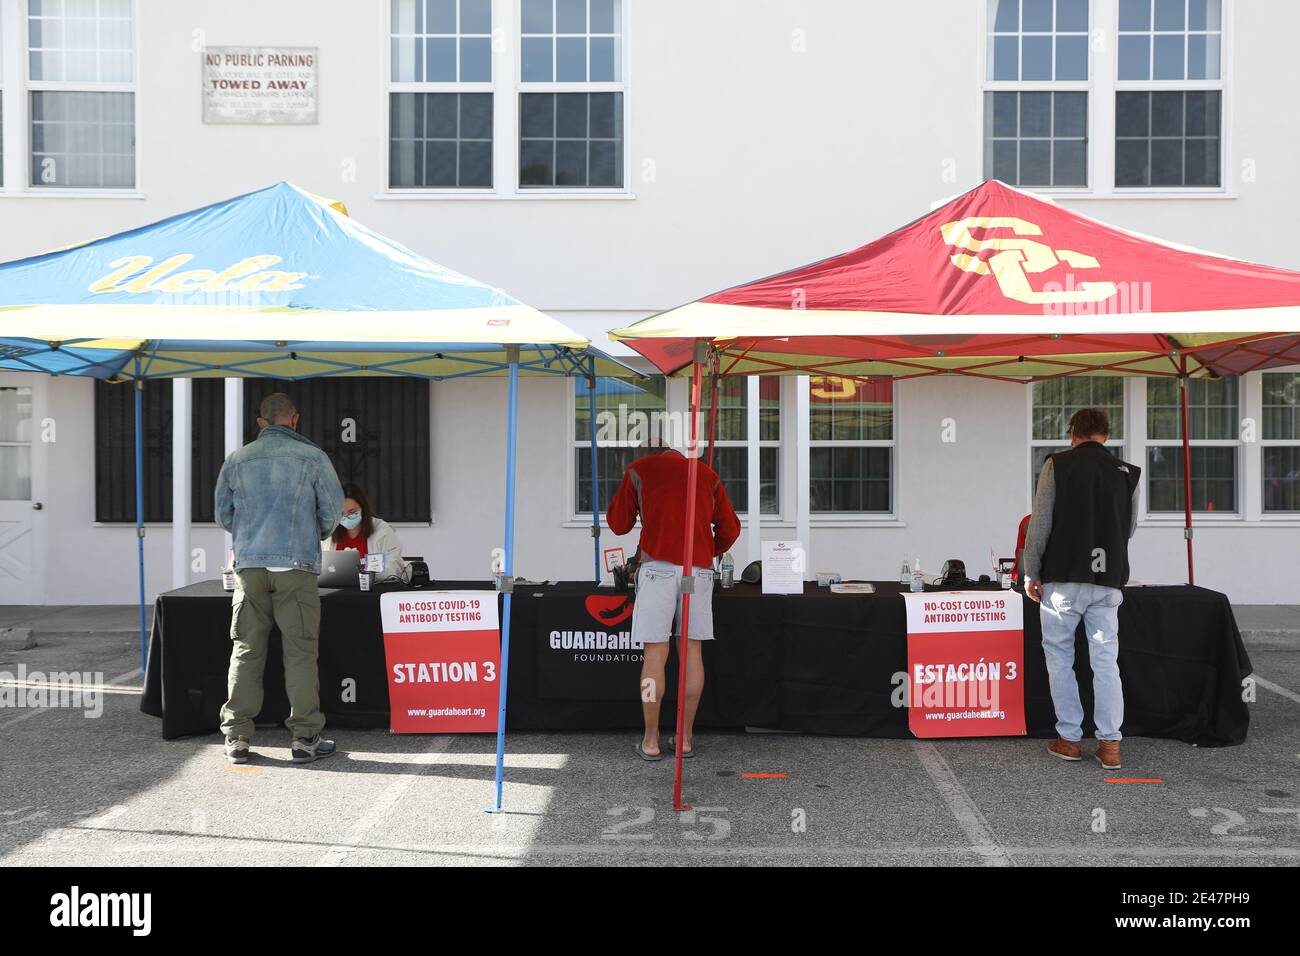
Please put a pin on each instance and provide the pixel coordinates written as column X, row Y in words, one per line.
column 965, row 663
column 443, row 652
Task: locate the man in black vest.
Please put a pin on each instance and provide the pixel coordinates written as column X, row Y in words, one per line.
column 1075, row 562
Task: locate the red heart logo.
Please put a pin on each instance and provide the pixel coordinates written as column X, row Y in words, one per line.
column 610, row 610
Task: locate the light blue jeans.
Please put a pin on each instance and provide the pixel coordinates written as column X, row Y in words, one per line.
column 1063, row 606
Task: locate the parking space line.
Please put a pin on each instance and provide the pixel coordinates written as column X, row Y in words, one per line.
column 962, row 806
column 106, row 687
column 386, row 801
column 1269, row 685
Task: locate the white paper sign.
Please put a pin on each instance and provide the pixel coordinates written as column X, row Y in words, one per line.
column 259, row 84
column 783, row 567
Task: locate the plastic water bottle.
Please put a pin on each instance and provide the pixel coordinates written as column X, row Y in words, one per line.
column 905, row 575
column 918, row 577
column 728, row 571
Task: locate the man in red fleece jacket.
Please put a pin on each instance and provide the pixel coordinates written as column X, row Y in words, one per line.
column 654, row 487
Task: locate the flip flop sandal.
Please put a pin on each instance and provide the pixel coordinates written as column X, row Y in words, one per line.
column 640, row 749
column 672, row 745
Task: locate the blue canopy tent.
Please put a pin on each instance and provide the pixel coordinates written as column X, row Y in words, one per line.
column 282, row 283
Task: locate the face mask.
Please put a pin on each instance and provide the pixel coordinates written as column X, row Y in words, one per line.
column 351, row 521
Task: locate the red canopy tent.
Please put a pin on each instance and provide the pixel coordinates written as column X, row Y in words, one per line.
column 996, row 283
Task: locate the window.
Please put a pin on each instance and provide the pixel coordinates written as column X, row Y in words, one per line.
column 851, row 429
column 82, row 93
column 1213, row 429
column 1036, row 100
column 440, row 95
column 571, row 101
column 1169, row 137
column 115, row 449
column 1281, row 441
column 15, row 443
column 628, row 411
column 374, row 429
column 731, row 456
column 1053, row 404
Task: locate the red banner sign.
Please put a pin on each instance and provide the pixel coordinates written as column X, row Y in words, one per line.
column 965, row 658
column 443, row 651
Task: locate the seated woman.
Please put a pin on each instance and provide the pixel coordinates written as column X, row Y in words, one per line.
column 360, row 530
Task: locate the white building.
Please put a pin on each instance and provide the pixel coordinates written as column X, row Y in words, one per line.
column 606, row 159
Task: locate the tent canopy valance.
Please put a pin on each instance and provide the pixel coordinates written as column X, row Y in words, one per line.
column 997, row 283
column 277, row 283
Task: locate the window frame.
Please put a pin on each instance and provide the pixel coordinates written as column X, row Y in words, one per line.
column 574, row 446
column 1121, row 446
column 1241, row 472
column 16, row 88
column 1268, row 514
column 506, row 88
column 457, row 86
column 1102, row 85
column 705, row 404
column 520, row 87
column 831, row 518
column 987, row 85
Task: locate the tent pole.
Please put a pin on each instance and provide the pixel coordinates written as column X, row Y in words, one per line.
column 139, row 504
column 713, row 412
column 508, row 567
column 595, row 477
column 688, row 573
column 1187, row 472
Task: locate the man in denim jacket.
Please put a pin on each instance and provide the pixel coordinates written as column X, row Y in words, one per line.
column 278, row 496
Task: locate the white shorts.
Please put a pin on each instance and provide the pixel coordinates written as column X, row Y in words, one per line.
column 658, row 600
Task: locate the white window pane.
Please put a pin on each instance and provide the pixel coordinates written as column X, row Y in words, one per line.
column 570, row 16
column 606, row 16
column 440, row 16
column 403, row 16
column 475, row 59
column 1203, row 15
column 79, row 8
column 1135, row 14
column 475, row 16
column 1005, row 15
column 1036, row 58
column 537, row 16
column 440, row 59
column 537, row 60
column 571, row 59
column 408, row 59
column 15, row 473
column 1135, row 57
column 1071, row 16
column 1072, row 58
column 1005, row 63
column 1203, row 57
column 15, row 414
column 1169, row 58
column 1170, row 15
column 605, row 65
column 1036, row 16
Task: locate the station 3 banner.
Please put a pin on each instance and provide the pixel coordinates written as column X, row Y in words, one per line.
column 965, row 658
column 443, row 652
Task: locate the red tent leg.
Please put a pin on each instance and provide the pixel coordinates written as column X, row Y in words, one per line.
column 1187, row 475
column 688, row 579
column 713, row 414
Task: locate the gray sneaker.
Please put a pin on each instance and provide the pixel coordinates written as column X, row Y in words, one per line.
column 237, row 749
column 305, row 751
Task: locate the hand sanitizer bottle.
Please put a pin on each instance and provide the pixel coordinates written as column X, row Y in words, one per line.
column 918, row 577
column 905, row 574
column 728, row 571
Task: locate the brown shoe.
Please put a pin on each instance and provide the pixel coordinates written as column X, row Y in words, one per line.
column 1065, row 749
column 1108, row 754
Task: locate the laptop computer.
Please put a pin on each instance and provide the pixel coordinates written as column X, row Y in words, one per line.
column 340, row 569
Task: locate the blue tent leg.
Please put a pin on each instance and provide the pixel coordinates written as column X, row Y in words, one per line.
column 595, row 477
column 508, row 569
column 139, row 504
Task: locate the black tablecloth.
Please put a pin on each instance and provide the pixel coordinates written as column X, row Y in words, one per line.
column 817, row 662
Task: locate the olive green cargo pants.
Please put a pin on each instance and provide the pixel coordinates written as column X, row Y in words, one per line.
column 264, row 598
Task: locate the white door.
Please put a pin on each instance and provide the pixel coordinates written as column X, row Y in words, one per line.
column 24, row 433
